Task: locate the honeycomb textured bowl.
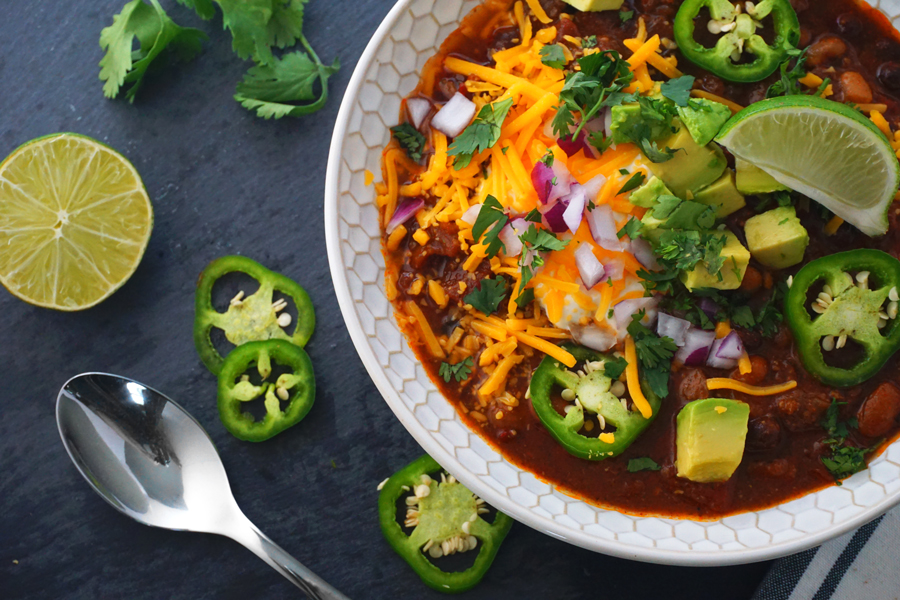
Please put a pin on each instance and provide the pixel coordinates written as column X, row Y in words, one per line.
column 388, row 70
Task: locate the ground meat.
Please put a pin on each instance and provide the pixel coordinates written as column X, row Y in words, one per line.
column 456, row 273
column 878, row 414
column 444, row 242
column 693, row 385
column 763, row 433
column 802, row 410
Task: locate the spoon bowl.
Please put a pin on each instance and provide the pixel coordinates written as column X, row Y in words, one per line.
column 151, row 460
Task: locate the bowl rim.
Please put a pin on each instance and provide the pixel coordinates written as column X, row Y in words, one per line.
column 448, row 461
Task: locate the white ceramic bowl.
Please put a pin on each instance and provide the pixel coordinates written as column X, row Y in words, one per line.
column 388, row 70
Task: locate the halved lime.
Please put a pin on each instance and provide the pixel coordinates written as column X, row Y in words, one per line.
column 75, row 220
column 822, row 149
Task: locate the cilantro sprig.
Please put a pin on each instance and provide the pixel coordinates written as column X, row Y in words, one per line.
column 654, row 355
column 844, row 460
column 459, row 371
column 409, row 138
column 644, row 463
column 156, row 34
column 553, row 56
column 490, row 221
column 534, row 242
column 488, row 296
column 481, row 134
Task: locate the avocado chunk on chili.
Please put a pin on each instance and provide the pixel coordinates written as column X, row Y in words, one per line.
column 737, row 29
column 723, row 195
column 843, row 297
column 709, row 439
column 443, row 516
column 736, row 259
column 595, row 5
column 613, row 426
column 692, row 167
column 776, row 238
column 703, row 118
column 624, row 118
column 750, row 179
column 296, row 388
column 649, row 192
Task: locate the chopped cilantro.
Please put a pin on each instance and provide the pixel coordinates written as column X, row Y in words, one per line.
column 535, row 241
column 626, row 15
column 742, row 316
column 632, row 228
column 409, row 138
column 459, row 371
column 155, row 32
column 644, row 463
column 789, row 82
column 488, row 296
column 482, row 134
column 490, row 221
column 654, row 354
column 553, row 56
column 683, row 214
column 844, row 460
column 678, row 90
column 589, row 41
column 633, row 182
column 526, row 297
column 548, row 158
column 614, row 367
column 534, row 216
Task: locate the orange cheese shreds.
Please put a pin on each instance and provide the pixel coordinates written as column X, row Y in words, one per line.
column 415, row 288
column 498, row 377
column 548, row 332
column 390, row 286
column 421, row 236
column 538, row 11
column 640, row 55
column 393, row 241
column 833, row 225
column 607, row 437
column 723, row 328
column 490, row 355
column 421, row 323
column 882, row 108
column 490, row 330
column 369, row 177
column 437, row 293
column 411, row 189
column 547, row 348
column 732, row 105
column 666, row 66
column 880, row 122
column 723, row 383
column 464, row 67
column 633, row 380
column 744, row 364
column 811, row 80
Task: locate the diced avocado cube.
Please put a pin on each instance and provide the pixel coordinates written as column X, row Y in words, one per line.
column 703, row 119
column 753, row 180
column 723, row 194
column 737, row 258
column 595, row 5
column 776, row 238
column 647, row 194
column 709, row 439
column 692, row 168
column 623, row 119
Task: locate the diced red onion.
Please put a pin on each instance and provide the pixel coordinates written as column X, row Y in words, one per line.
column 542, row 180
column 593, row 337
column 553, row 218
column 718, row 362
column 471, row 214
column 405, row 211
column 603, row 228
column 572, row 146
column 625, row 309
column 519, row 225
column 511, row 242
column 592, row 188
column 595, row 125
column 697, row 343
column 708, row 306
column 418, row 109
column 615, row 268
column 589, row 267
column 729, row 347
column 577, row 202
column 607, row 122
column 644, row 254
column 672, row 327
column 454, row 116
column 563, row 183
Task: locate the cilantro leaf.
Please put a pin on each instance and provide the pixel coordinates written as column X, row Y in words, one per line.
column 586, row 90
column 482, row 134
column 491, row 219
column 272, row 89
column 742, row 316
column 525, row 297
column 626, row 15
column 155, row 33
column 633, row 183
column 632, row 228
column 683, row 214
column 789, row 82
column 534, row 216
column 678, row 90
column 541, row 240
column 410, row 140
column 285, row 27
column 488, row 296
column 654, row 355
column 553, row 56
column 644, row 463
column 248, row 21
column 589, row 41
column 845, row 460
column 614, row 367
column 459, row 371
column 204, row 8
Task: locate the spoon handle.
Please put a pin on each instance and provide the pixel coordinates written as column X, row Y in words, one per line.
column 259, row 543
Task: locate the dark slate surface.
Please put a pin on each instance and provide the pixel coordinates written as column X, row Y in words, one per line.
column 222, row 182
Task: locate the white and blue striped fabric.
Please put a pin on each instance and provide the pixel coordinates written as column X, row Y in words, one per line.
column 861, row 565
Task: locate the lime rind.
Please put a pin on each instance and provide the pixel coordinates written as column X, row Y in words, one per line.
column 822, row 149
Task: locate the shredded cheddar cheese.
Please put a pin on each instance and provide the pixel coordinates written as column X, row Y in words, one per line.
column 633, row 380
column 723, row 383
column 833, row 225
column 421, row 324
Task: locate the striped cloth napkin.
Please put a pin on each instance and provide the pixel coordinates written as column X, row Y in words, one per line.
column 861, row 565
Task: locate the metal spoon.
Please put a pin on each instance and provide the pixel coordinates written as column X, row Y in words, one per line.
column 154, row 462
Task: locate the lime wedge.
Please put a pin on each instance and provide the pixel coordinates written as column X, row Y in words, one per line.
column 75, row 220
column 822, row 149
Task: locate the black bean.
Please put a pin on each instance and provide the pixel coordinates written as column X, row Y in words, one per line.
column 849, row 25
column 763, row 433
column 889, row 75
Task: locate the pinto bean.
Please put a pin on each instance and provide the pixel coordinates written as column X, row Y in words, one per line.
column 825, row 49
column 759, row 370
column 752, row 280
column 878, row 413
column 855, row 88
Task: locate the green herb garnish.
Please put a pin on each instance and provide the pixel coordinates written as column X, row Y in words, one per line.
column 482, row 134
column 488, row 296
column 409, row 138
column 459, row 371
